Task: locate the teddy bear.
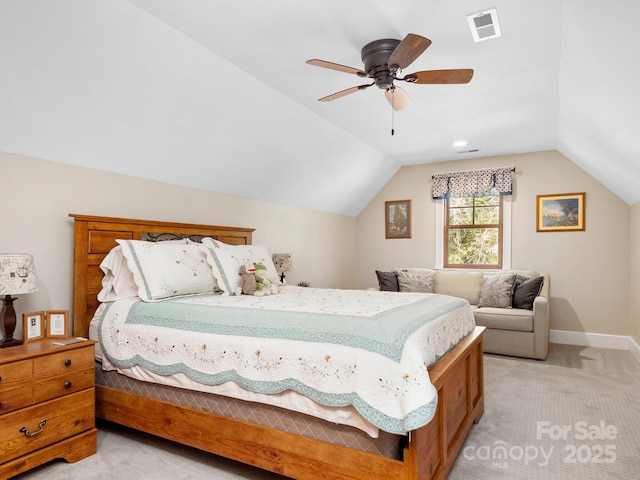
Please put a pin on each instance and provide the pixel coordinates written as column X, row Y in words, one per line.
column 247, row 283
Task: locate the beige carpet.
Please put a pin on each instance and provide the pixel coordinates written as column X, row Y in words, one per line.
column 574, row 416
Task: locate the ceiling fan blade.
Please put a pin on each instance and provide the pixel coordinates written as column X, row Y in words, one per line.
column 398, row 98
column 342, row 93
column 410, row 48
column 336, row 66
column 463, row 75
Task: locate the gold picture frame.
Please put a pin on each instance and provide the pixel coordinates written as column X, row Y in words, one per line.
column 57, row 323
column 397, row 219
column 32, row 326
column 560, row 213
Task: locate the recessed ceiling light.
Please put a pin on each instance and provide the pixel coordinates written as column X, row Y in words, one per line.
column 459, row 143
column 484, row 25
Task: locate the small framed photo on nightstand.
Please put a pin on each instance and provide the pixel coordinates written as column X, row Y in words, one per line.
column 57, row 323
column 32, row 326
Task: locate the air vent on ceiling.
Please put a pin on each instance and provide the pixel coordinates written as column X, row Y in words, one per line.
column 484, row 25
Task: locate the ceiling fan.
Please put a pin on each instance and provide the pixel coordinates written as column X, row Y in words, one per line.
column 384, row 60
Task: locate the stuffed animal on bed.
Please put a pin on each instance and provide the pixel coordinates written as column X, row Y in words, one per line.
column 263, row 284
column 247, row 283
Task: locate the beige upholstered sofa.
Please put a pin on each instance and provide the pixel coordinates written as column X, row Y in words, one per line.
column 512, row 304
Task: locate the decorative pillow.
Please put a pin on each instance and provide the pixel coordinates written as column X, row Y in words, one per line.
column 248, row 255
column 415, row 282
column 388, row 281
column 167, row 269
column 118, row 282
column 526, row 291
column 497, row 291
column 225, row 269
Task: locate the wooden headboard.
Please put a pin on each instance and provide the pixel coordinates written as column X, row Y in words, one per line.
column 94, row 237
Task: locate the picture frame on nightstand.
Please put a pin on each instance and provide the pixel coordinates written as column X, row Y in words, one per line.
column 32, row 326
column 57, row 324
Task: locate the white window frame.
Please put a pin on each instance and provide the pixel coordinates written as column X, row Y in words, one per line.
column 506, row 233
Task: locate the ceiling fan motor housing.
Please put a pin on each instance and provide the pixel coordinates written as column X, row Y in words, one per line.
column 375, row 57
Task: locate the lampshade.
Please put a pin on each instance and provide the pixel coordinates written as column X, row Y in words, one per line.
column 17, row 274
column 282, row 262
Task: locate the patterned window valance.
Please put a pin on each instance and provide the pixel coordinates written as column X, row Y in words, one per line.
column 494, row 181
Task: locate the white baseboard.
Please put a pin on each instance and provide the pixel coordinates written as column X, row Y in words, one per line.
column 599, row 340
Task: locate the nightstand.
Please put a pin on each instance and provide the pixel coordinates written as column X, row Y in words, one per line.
column 47, row 404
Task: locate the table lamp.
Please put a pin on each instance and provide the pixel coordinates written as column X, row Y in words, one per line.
column 283, row 264
column 17, row 276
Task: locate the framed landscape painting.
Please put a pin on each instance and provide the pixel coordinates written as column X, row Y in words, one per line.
column 560, row 213
column 397, row 219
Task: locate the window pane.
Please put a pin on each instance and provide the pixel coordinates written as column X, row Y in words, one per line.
column 487, row 215
column 488, row 200
column 461, row 201
column 473, row 246
column 460, row 216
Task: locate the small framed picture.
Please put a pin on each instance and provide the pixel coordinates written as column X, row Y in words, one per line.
column 58, row 323
column 560, row 213
column 32, row 326
column 397, row 219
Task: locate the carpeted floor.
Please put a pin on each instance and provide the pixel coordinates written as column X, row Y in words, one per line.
column 574, row 416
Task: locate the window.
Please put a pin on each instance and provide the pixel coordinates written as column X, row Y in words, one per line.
column 473, row 232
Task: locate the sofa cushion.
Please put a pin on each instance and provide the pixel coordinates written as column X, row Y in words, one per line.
column 387, row 281
column 497, row 291
column 526, row 291
column 504, row 318
column 459, row 283
column 415, row 282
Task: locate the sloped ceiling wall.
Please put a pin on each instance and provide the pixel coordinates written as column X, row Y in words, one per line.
column 216, row 95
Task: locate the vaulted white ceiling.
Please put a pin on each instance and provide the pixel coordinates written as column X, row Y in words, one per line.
column 216, row 94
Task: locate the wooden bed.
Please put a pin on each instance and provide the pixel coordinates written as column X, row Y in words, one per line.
column 429, row 454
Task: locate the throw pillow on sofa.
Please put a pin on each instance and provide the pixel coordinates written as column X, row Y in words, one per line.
column 415, row 282
column 387, row 281
column 497, row 291
column 526, row 291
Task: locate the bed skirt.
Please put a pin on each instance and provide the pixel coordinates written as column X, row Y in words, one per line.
column 387, row 444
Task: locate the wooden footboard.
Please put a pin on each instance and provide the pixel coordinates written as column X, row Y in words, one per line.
column 431, row 450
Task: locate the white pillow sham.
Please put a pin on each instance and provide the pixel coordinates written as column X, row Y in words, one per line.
column 247, row 255
column 167, row 269
column 118, row 282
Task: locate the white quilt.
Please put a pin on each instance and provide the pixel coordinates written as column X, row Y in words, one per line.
column 367, row 350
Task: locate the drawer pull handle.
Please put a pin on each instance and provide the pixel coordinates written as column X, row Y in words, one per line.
column 27, row 433
column 67, row 384
column 67, row 362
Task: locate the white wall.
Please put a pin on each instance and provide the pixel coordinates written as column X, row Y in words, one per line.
column 38, row 196
column 589, row 271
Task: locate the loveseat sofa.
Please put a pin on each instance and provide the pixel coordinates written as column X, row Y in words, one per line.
column 511, row 304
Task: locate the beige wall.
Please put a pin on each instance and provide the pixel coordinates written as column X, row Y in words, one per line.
column 589, row 271
column 38, row 195
column 634, row 281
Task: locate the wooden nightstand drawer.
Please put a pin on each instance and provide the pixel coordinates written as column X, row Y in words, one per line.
column 52, row 387
column 15, row 385
column 63, row 362
column 41, row 425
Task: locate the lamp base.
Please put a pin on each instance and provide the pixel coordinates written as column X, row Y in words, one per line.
column 10, row 343
column 8, row 316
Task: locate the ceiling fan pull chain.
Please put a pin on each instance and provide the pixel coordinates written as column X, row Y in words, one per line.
column 393, row 109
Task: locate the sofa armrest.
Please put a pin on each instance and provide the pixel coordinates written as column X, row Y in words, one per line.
column 541, row 327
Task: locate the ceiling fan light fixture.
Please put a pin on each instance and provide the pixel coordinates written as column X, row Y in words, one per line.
column 484, row 25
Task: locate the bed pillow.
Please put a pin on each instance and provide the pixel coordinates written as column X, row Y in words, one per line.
column 415, row 282
column 168, row 269
column 117, row 282
column 497, row 291
column 526, row 291
column 225, row 269
column 248, row 255
column 387, row 281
